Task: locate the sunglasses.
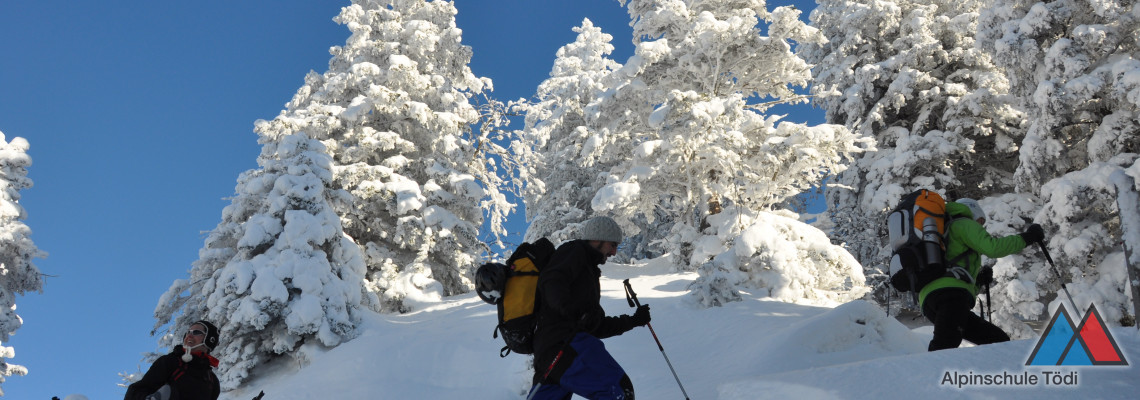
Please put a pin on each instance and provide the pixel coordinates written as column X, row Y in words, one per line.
column 196, row 332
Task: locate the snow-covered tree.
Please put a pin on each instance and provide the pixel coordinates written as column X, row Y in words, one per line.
column 1074, row 69
column 663, row 140
column 395, row 111
column 371, row 192
column 907, row 73
column 558, row 181
column 18, row 275
column 684, row 119
column 278, row 271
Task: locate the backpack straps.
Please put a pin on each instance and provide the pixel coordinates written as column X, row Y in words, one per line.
column 954, row 270
column 506, row 350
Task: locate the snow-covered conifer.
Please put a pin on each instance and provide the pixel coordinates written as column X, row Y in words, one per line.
column 558, row 181
column 683, row 116
column 395, row 111
column 278, row 271
column 906, row 73
column 678, row 130
column 371, row 191
column 18, row 275
column 1074, row 69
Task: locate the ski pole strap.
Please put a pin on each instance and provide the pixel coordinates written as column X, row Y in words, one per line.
column 630, row 296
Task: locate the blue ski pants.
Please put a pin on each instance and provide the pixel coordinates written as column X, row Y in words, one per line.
column 592, row 374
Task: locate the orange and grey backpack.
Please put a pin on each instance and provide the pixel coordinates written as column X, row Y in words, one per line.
column 512, row 288
column 917, row 232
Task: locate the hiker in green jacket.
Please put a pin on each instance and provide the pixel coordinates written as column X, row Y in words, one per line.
column 947, row 301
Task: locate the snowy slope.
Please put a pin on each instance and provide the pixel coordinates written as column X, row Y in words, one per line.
column 745, row 350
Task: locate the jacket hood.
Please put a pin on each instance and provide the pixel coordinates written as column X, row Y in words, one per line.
column 958, row 210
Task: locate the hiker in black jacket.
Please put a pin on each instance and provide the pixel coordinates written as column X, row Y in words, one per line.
column 569, row 358
column 181, row 375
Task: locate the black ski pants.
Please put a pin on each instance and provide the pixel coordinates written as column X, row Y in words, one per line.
column 950, row 311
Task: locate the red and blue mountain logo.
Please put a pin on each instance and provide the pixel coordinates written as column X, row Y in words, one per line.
column 1089, row 343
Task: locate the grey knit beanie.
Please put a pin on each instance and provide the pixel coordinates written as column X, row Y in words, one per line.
column 601, row 228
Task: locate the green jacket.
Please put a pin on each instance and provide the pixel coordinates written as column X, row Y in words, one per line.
column 966, row 234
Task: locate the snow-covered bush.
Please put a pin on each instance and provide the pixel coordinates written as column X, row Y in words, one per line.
column 772, row 254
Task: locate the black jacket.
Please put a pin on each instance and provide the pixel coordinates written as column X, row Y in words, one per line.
column 194, row 380
column 569, row 288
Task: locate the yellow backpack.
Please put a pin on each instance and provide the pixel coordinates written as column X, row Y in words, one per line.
column 512, row 287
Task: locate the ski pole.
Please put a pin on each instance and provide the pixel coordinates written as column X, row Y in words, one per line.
column 989, row 305
column 888, row 296
column 1045, row 251
column 631, row 297
column 983, row 306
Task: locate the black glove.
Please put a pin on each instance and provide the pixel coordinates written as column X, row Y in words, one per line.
column 900, row 281
column 1033, row 234
column 641, row 316
column 985, row 276
column 590, row 320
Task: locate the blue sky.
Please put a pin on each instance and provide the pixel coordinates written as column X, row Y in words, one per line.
column 140, row 114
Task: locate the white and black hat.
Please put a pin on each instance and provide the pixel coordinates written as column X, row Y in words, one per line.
column 211, row 333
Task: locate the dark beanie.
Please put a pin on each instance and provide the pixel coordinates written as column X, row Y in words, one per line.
column 211, row 334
